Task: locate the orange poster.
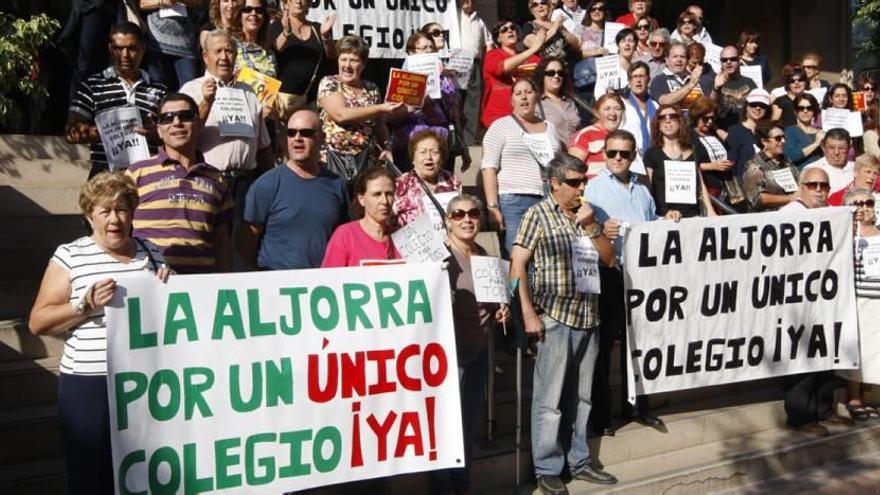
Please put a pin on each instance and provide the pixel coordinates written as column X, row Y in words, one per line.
column 264, row 86
column 859, row 103
column 406, row 87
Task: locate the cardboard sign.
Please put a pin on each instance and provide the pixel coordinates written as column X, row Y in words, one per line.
column 785, row 179
column 462, row 62
column 122, row 144
column 713, row 56
column 860, row 104
column 610, row 33
column 681, row 182
column 818, row 93
column 418, row 242
column 266, row 87
column 754, row 73
column 233, row 114
column 609, row 75
column 428, row 64
column 585, row 263
column 842, row 118
column 869, row 255
column 436, row 218
column 490, row 275
column 406, row 87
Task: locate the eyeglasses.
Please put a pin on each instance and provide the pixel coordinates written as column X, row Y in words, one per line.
column 597, row 8
column 810, row 66
column 863, row 202
column 307, row 132
column 575, row 183
column 643, row 27
column 435, row 33
column 166, row 118
column 796, row 80
column 759, row 106
column 247, row 9
column 729, row 60
column 818, row 186
column 656, row 44
column 867, row 88
column 625, row 154
column 778, row 139
column 507, row 27
column 805, row 108
column 539, row 2
column 554, row 73
column 457, row 215
column 706, row 118
column 687, row 21
column 668, row 117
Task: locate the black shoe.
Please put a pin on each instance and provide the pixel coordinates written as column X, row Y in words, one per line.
column 648, row 419
column 552, row 485
column 595, row 475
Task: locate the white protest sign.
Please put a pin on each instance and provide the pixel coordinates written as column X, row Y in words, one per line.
column 386, row 25
column 428, row 64
column 785, row 178
column 713, row 56
column 869, row 255
column 430, row 208
column 681, row 182
column 610, row 33
column 490, row 275
column 818, row 93
column 608, row 74
column 236, row 383
column 714, row 147
column 122, row 144
column 173, row 10
column 739, row 297
column 539, row 146
column 842, row 118
column 418, row 242
column 585, row 263
column 462, row 62
column 754, row 73
column 233, row 113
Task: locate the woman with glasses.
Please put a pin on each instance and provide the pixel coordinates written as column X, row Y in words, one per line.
column 812, row 65
column 252, row 42
column 803, row 141
column 643, row 28
column 749, row 53
column 686, row 27
column 868, row 86
column 415, row 191
column 770, row 180
column 674, row 175
column 557, row 40
column 435, row 32
column 741, row 143
column 502, row 66
column 784, row 109
column 589, row 143
column 709, row 150
column 592, row 34
column 556, row 105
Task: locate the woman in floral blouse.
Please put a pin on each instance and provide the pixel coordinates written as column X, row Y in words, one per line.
column 352, row 112
column 427, row 152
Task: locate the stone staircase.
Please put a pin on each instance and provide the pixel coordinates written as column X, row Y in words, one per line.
column 719, row 439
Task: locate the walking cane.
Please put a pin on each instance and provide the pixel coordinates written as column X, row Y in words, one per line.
column 514, row 292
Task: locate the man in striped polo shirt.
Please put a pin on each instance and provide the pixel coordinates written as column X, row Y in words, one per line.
column 185, row 207
column 122, row 84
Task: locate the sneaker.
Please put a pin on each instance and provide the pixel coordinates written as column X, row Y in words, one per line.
column 552, row 485
column 595, row 475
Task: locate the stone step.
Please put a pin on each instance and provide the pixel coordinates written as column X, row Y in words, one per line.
column 29, row 434
column 28, row 147
column 17, row 343
column 39, row 200
column 17, row 297
column 851, row 475
column 45, row 172
column 30, row 261
column 43, row 230
column 41, row 477
column 28, row 383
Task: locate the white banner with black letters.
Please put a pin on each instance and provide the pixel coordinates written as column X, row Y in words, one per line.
column 736, row 298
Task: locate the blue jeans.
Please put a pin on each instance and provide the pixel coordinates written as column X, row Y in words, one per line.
column 171, row 70
column 566, row 360
column 513, row 207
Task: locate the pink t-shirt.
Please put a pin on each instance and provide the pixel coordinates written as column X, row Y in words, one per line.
column 350, row 245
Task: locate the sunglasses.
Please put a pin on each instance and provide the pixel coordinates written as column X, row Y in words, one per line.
column 656, row 44
column 687, row 21
column 759, row 105
column 706, row 118
column 625, row 154
column 778, row 138
column 436, row 33
column 553, row 73
column 307, row 132
column 247, row 9
column 805, row 108
column 810, row 66
column 166, row 118
column 507, row 27
column 643, row 27
column 539, row 2
column 796, row 80
column 818, row 186
column 668, row 117
column 867, row 88
column 729, row 60
column 575, row 183
column 597, row 8
column 863, row 202
column 457, row 215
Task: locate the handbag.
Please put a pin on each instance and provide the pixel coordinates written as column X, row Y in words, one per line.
column 734, row 194
column 348, row 166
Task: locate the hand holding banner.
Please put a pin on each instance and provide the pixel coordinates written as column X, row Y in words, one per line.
column 418, row 242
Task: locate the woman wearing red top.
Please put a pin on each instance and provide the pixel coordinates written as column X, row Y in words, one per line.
column 500, row 69
column 588, row 144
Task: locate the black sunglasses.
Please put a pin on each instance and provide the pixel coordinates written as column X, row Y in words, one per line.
column 759, row 105
column 707, row 118
column 166, row 118
column 818, row 185
column 247, row 9
column 643, row 27
column 778, row 138
column 306, row 132
column 507, row 27
column 435, row 33
column 597, row 8
column 625, row 154
column 864, row 202
column 805, row 108
column 668, row 117
column 867, row 88
column 575, row 183
column 796, row 80
column 552, row 73
column 729, row 60
column 457, row 215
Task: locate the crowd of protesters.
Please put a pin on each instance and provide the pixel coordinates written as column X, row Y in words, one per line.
column 328, row 170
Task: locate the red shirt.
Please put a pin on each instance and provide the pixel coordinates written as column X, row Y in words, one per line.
column 498, row 86
column 630, row 19
column 836, row 199
column 591, row 140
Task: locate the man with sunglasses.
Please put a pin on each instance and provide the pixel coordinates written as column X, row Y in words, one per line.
column 120, row 85
column 184, row 207
column 560, row 308
column 658, row 41
column 835, row 147
column 292, row 210
column 731, row 88
column 812, row 191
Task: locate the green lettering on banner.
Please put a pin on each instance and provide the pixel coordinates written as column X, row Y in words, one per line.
column 192, row 484
column 422, row 305
column 279, row 382
column 124, row 398
column 329, row 322
column 137, row 339
column 386, row 303
column 168, row 411
column 168, row 456
column 227, row 299
column 237, row 402
column 192, row 391
column 329, row 434
column 354, row 305
column 223, row 460
column 179, row 301
column 295, row 439
column 267, row 463
column 130, row 459
column 295, row 324
column 257, row 327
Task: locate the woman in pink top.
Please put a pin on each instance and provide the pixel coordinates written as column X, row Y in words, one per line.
column 367, row 239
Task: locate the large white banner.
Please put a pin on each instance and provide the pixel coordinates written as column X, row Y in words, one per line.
column 386, row 24
column 281, row 381
column 741, row 297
